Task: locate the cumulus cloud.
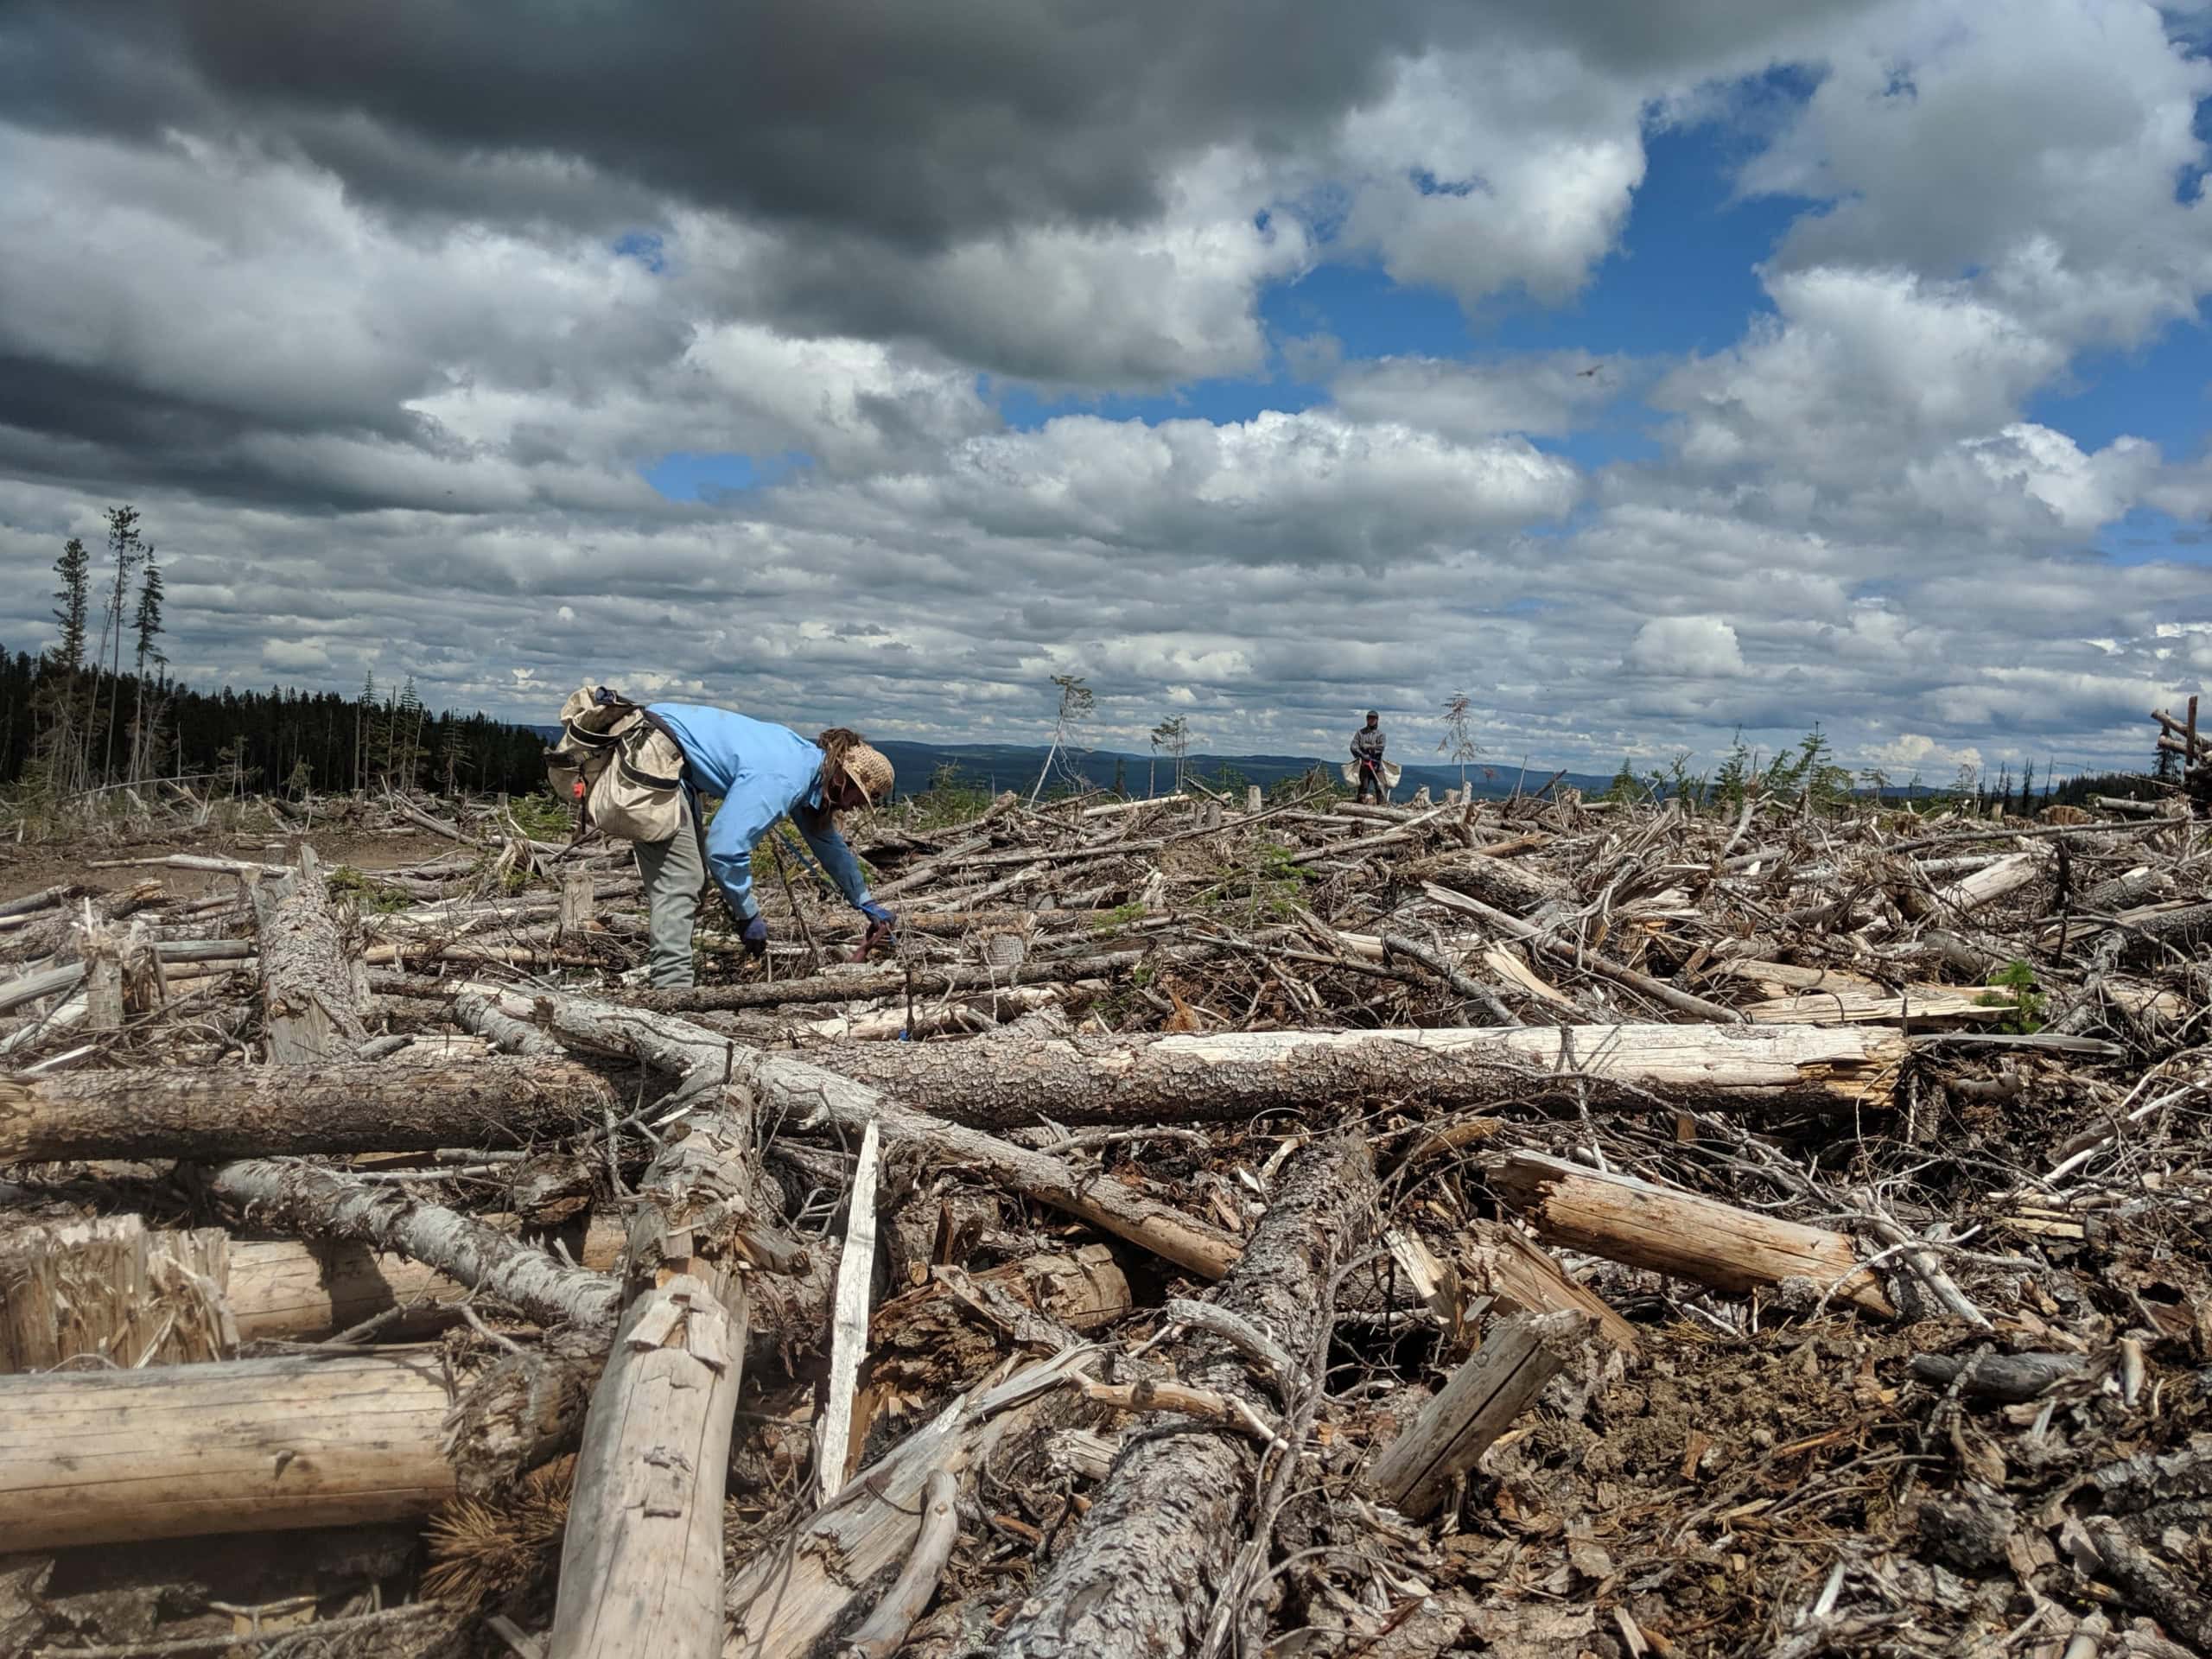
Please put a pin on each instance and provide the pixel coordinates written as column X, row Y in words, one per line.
column 383, row 360
column 1700, row 647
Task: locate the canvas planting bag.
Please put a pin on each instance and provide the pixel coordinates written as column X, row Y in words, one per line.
column 619, row 766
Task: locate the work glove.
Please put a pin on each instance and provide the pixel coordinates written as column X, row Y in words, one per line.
column 877, row 913
column 755, row 935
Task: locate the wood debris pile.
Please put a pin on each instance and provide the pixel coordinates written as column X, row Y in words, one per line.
column 1212, row 1227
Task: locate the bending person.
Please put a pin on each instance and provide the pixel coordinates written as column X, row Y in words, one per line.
column 762, row 772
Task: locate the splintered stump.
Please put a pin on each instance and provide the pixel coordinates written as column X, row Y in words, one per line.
column 1138, row 1579
column 312, row 989
column 1680, row 1234
column 253, row 1112
column 113, row 1291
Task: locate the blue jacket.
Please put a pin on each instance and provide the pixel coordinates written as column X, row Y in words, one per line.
column 761, row 772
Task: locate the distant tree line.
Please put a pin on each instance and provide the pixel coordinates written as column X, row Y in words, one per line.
column 95, row 710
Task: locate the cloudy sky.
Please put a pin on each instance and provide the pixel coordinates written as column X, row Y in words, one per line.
column 1646, row 368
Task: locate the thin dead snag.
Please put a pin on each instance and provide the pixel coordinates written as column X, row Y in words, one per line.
column 1164, row 1525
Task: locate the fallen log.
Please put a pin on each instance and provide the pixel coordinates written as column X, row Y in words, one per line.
column 803, row 1096
column 227, row 1112
column 1140, row 1576
column 1678, row 1233
column 483, row 1257
column 641, row 1559
column 267, row 1445
column 1230, row 1076
column 893, row 982
column 793, row 1596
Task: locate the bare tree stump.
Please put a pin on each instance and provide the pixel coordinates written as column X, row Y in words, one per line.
column 309, row 986
column 576, row 904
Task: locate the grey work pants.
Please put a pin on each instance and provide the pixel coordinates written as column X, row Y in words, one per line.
column 674, row 872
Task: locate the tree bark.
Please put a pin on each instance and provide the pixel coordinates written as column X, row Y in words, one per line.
column 1232, row 1076
column 892, row 981
column 256, row 1110
column 1138, row 1579
column 330, row 1205
column 311, row 989
column 1678, row 1233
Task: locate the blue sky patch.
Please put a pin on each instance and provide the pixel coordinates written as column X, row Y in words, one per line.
column 684, row 475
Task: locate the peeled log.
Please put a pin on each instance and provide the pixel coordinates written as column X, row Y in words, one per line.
column 1232, row 1076
column 1678, row 1233
column 248, row 1111
column 252, row 1445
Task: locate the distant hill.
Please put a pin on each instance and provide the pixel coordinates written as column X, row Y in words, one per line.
column 1003, row 766
column 1016, row 766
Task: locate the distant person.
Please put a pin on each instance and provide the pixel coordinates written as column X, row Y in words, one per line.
column 762, row 772
column 1367, row 754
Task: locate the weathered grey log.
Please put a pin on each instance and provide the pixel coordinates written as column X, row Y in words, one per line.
column 1449, row 1434
column 311, row 989
column 1138, row 1579
column 892, row 981
column 1231, row 1076
column 886, row 1627
column 323, row 1203
column 2008, row 1377
column 474, row 1012
column 224, row 1112
column 792, row 1597
column 30, row 904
